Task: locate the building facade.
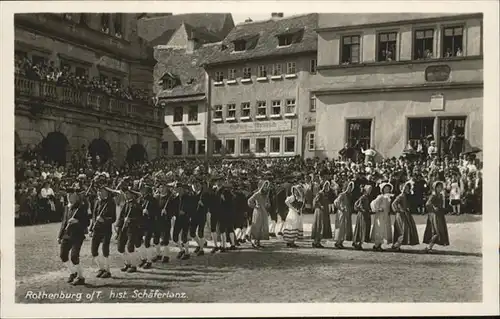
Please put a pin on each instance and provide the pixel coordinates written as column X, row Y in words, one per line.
column 385, row 81
column 259, row 88
column 63, row 119
column 181, row 82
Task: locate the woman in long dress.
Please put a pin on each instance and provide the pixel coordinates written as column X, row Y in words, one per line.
column 293, row 228
column 405, row 229
column 381, row 206
column 436, row 230
column 259, row 201
column 363, row 219
column 321, row 227
column 343, row 220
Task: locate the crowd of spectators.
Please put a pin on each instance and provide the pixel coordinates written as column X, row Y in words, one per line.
column 43, row 70
column 461, row 175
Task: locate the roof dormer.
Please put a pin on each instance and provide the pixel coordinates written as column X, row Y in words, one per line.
column 245, row 43
column 290, row 36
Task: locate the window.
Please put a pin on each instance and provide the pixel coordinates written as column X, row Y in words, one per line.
column 177, row 147
column 312, row 104
column 65, row 66
column 419, row 129
column 117, row 81
column 219, row 76
column 359, row 133
column 193, row 113
column 84, row 19
column 164, row 148
column 168, row 83
column 350, row 49
column 261, row 108
column 245, row 146
column 290, row 144
column 231, row 111
column 191, row 147
column 247, row 73
column 311, row 141
column 290, row 68
column 38, row 60
column 262, row 71
column 245, row 109
column 260, row 145
column 218, row 112
column 275, row 145
column 105, row 22
column 386, row 46
column 452, row 42
column 118, row 25
column 290, row 106
column 240, row 45
column 217, row 146
column 79, row 71
column 178, row 114
column 277, row 69
column 423, row 44
column 231, row 75
column 451, row 135
column 276, row 109
column 313, row 65
column 68, row 16
column 201, row 147
column 230, row 147
column 285, row 40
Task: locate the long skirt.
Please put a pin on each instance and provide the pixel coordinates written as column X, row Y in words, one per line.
column 260, row 225
column 381, row 230
column 362, row 228
column 293, row 228
column 436, row 225
column 321, row 227
column 343, row 226
column 405, row 226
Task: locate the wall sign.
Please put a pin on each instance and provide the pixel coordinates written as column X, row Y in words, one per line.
column 437, row 102
column 254, row 127
column 437, row 73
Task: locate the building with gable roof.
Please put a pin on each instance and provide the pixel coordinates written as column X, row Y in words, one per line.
column 260, row 88
column 181, row 86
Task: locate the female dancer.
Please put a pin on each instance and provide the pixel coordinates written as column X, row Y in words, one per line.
column 321, row 228
column 405, row 229
column 343, row 221
column 436, row 230
column 259, row 201
column 381, row 206
column 363, row 219
column 293, row 228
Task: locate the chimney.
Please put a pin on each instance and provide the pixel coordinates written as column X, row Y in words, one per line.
column 248, row 20
column 277, row 15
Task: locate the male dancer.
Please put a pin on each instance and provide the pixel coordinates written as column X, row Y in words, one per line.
column 128, row 226
column 150, row 211
column 199, row 217
column 181, row 225
column 166, row 200
column 72, row 234
column 103, row 217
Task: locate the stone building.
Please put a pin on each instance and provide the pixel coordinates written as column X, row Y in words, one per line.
column 389, row 80
column 259, row 92
column 180, row 81
column 63, row 119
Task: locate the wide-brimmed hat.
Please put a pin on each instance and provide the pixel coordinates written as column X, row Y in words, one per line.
column 298, row 191
column 383, row 185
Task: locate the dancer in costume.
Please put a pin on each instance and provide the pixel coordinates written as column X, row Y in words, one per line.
column 259, row 202
column 405, row 229
column 293, row 228
column 381, row 206
column 363, row 219
column 321, row 228
column 436, row 230
column 343, row 220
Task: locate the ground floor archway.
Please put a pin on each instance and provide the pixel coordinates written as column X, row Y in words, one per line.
column 100, row 147
column 136, row 154
column 54, row 147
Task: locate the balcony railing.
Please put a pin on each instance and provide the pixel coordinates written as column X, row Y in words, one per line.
column 82, row 99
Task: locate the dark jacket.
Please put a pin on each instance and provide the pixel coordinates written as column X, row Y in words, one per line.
column 107, row 210
column 133, row 211
column 77, row 229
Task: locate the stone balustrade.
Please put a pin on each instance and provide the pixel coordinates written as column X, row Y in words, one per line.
column 81, row 99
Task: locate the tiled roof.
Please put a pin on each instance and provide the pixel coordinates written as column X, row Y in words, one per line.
column 201, row 33
column 152, row 28
column 267, row 43
column 184, row 65
column 338, row 20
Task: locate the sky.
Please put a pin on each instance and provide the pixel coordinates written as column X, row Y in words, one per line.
column 241, row 17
